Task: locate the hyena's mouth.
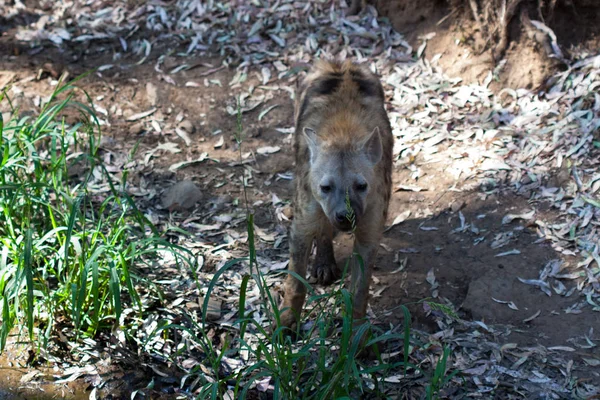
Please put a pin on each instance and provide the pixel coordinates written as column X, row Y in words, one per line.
column 344, row 222
column 344, row 226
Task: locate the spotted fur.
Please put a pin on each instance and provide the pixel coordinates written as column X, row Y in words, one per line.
column 339, row 111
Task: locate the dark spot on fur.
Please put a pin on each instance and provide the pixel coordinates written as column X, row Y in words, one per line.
column 357, row 74
column 321, row 87
column 325, row 85
column 368, row 88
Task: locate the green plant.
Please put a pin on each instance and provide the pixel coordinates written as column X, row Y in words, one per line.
column 439, row 378
column 68, row 252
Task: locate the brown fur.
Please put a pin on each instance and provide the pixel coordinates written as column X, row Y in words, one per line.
column 343, row 103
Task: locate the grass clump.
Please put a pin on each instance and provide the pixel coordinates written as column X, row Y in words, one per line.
column 68, row 242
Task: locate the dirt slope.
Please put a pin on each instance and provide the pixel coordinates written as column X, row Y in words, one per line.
column 452, row 32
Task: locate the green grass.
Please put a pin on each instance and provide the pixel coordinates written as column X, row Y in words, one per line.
column 70, row 257
column 67, row 253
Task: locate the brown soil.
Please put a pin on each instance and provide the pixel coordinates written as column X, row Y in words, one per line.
column 453, row 33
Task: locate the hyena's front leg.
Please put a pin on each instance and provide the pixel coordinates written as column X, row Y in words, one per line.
column 301, row 238
column 361, row 278
column 366, row 244
column 325, row 270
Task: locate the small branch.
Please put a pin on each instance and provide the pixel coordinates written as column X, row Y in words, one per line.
column 475, row 11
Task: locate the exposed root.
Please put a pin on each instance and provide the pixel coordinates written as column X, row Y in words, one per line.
column 493, row 18
column 506, row 14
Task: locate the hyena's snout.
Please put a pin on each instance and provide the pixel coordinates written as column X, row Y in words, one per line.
column 345, row 219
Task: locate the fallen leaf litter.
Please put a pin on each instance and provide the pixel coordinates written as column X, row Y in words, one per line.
column 510, row 141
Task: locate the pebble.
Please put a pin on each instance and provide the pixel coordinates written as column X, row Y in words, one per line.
column 136, row 129
column 182, row 196
column 187, row 126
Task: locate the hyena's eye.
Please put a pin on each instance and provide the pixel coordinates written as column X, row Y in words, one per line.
column 325, row 188
column 361, row 187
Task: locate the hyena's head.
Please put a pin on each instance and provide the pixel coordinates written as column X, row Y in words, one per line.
column 341, row 176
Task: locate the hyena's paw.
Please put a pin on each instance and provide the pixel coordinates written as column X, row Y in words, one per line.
column 288, row 321
column 366, row 352
column 324, row 273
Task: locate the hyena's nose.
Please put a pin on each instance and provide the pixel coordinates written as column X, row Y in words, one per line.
column 340, row 217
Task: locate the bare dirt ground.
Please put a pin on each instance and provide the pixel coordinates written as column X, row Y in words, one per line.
column 450, row 242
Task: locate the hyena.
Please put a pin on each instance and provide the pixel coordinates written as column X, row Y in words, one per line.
column 343, row 151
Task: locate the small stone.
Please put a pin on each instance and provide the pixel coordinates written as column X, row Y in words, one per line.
column 213, row 309
column 187, row 126
column 128, row 112
column 151, row 93
column 182, row 196
column 287, row 211
column 53, row 70
column 252, row 132
column 457, row 205
column 136, row 129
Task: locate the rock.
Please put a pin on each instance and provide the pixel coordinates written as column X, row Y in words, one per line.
column 128, row 112
column 182, row 196
column 252, row 132
column 213, row 309
column 288, row 211
column 187, row 126
column 457, row 205
column 151, row 93
column 136, row 129
column 51, row 69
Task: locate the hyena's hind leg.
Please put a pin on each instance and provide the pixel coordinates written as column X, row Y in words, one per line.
column 325, row 270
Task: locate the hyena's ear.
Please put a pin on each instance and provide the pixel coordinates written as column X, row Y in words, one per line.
column 313, row 142
column 372, row 146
